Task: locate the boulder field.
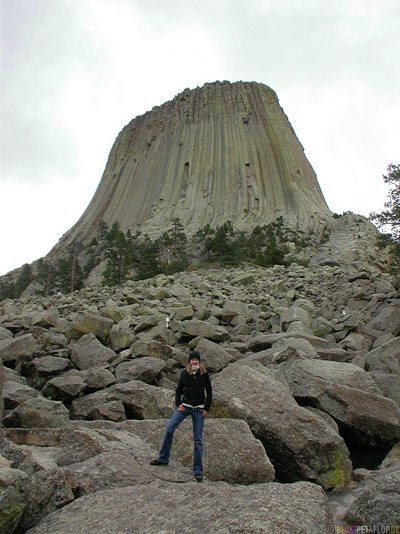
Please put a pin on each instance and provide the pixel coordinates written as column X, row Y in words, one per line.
column 302, row 435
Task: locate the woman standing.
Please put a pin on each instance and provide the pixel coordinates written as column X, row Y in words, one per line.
column 193, row 397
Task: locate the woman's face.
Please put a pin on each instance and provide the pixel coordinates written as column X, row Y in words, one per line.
column 194, row 362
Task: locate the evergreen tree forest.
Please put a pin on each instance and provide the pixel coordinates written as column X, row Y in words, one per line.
column 124, row 255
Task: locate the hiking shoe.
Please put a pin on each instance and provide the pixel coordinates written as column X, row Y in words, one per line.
column 198, row 477
column 157, row 462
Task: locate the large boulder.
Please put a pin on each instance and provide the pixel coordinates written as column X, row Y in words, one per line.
column 233, row 308
column 300, row 444
column 15, row 393
column 147, row 369
column 140, row 400
column 265, row 341
column 38, row 412
column 86, row 323
column 49, row 490
column 88, row 352
column 13, row 498
column 213, row 356
column 196, row 328
column 377, row 502
column 151, row 348
column 260, row 508
column 65, row 387
column 374, row 419
column 121, row 337
column 228, row 446
column 385, row 357
column 387, row 320
column 340, row 373
column 68, row 463
column 10, row 348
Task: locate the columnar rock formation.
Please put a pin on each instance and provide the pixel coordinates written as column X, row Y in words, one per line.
column 216, row 153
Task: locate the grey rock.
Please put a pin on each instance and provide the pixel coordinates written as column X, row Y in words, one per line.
column 65, row 387
column 387, row 320
column 1, row 390
column 10, row 348
column 182, row 314
column 389, row 384
column 151, row 348
column 15, row 393
column 87, row 323
column 179, row 291
column 45, row 318
column 83, row 407
column 244, row 279
column 110, row 411
column 356, row 342
column 299, row 444
column 121, row 337
column 294, row 313
column 38, row 412
column 5, row 333
column 263, row 508
column 50, row 365
column 339, row 373
column 230, row 451
column 49, row 490
column 97, row 378
column 265, row 341
column 334, row 354
column 299, row 346
column 385, row 357
column 147, row 322
column 13, row 498
column 141, row 401
column 374, row 419
column 196, row 328
column 378, row 502
column 147, row 369
column 213, row 356
column 158, row 333
column 233, row 308
column 321, row 327
column 88, row 352
column 299, row 327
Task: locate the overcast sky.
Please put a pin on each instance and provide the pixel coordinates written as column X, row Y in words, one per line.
column 74, row 72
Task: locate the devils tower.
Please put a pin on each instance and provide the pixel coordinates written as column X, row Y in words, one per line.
column 225, row 151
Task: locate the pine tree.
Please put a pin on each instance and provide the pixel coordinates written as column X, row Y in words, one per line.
column 117, row 253
column 23, row 281
column 147, row 263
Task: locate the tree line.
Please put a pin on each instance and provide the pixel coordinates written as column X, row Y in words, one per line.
column 133, row 256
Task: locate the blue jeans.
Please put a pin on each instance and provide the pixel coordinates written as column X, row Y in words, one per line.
column 173, row 423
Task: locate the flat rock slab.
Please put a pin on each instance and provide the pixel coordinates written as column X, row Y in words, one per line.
column 167, row 508
column 230, row 451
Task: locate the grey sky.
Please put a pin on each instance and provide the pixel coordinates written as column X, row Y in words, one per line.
column 74, row 72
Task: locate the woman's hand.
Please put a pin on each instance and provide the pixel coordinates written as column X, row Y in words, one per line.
column 205, row 413
column 181, row 408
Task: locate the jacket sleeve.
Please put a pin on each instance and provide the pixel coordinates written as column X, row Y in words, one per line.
column 179, row 392
column 208, row 402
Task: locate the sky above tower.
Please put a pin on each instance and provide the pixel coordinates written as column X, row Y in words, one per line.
column 74, row 73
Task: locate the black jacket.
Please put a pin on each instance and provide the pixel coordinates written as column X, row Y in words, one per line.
column 191, row 390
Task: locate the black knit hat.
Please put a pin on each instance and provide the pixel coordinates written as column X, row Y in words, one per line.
column 192, row 355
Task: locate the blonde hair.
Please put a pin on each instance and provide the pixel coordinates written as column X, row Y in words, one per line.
column 202, row 369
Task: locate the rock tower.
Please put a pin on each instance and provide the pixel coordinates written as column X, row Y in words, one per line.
column 225, row 151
